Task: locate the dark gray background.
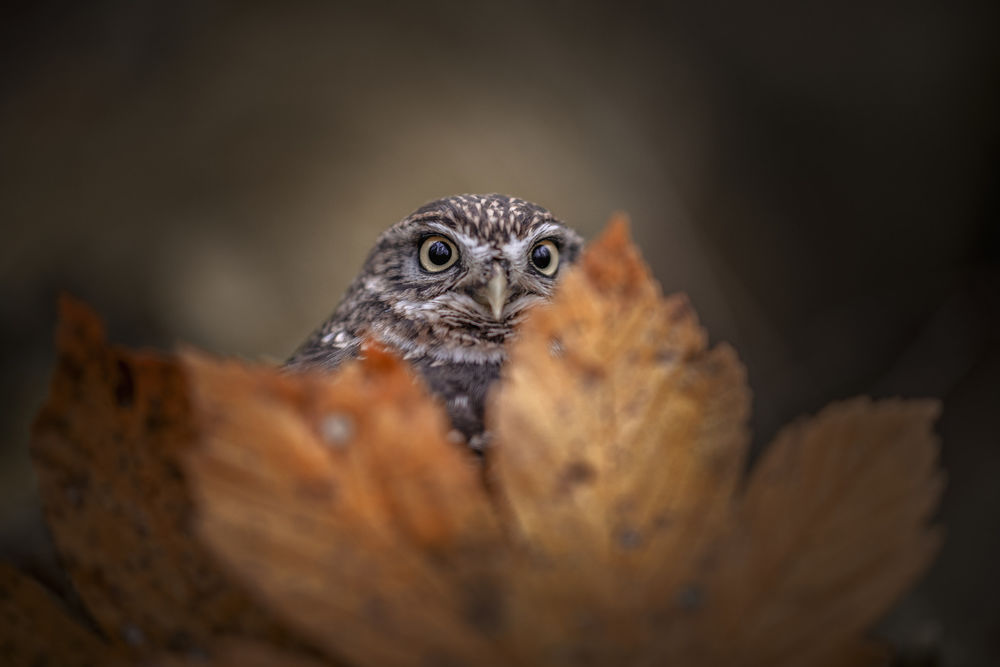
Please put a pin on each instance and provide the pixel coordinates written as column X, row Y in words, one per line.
column 820, row 178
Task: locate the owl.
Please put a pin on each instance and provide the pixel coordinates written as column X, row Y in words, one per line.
column 446, row 288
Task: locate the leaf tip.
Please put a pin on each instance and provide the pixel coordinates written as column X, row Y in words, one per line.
column 78, row 324
column 612, row 262
column 616, row 237
column 380, row 360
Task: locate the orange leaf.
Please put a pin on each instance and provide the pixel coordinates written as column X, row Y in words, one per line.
column 832, row 529
column 106, row 447
column 341, row 500
column 614, row 421
column 619, row 442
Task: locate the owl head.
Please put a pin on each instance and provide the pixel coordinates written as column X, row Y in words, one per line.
column 454, row 278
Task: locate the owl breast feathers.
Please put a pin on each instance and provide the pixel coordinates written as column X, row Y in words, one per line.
column 446, row 288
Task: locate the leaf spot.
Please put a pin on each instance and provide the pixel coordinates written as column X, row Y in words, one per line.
column 337, row 429
column 132, row 635
column 574, row 474
column 666, row 356
column 629, row 539
column 690, row 598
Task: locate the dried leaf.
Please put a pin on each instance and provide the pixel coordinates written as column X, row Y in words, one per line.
column 620, row 440
column 341, row 500
column 106, row 447
column 615, row 525
column 832, row 529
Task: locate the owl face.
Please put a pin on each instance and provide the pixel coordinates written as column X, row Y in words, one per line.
column 453, row 279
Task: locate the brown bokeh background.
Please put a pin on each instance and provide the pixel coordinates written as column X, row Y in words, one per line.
column 820, row 178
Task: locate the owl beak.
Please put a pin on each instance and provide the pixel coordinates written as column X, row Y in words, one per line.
column 496, row 292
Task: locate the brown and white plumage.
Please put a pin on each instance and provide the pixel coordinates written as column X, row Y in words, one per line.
column 452, row 323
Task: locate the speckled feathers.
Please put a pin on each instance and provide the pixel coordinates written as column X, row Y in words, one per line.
column 440, row 321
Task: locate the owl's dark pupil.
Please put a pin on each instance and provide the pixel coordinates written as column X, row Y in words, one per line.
column 439, row 253
column 541, row 256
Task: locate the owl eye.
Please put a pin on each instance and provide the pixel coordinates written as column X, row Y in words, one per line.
column 545, row 257
column 437, row 253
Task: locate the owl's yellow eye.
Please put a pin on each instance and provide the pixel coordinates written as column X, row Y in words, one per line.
column 545, row 257
column 437, row 253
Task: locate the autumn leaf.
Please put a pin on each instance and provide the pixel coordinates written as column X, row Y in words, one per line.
column 106, row 449
column 341, row 499
column 612, row 523
column 620, row 440
column 831, row 529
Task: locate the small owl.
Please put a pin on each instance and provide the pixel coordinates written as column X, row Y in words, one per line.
column 446, row 288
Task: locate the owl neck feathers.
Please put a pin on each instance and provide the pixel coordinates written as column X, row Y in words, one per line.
column 444, row 345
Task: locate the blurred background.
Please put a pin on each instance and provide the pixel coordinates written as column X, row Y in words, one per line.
column 821, row 178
